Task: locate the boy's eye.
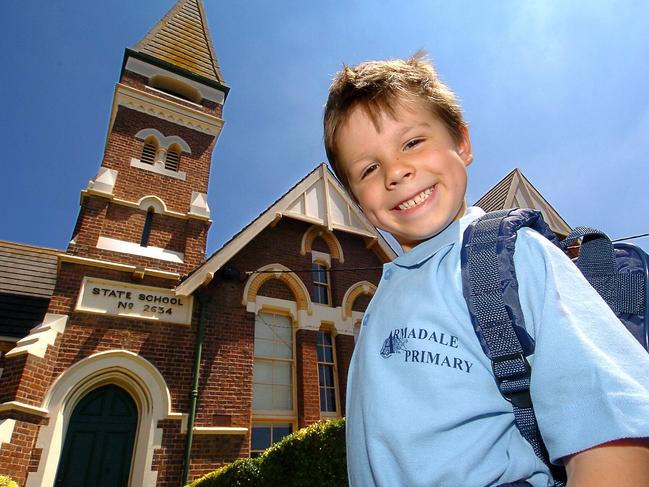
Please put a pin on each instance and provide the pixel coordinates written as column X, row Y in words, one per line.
column 368, row 170
column 412, row 143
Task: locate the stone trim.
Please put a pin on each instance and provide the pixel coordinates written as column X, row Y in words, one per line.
column 283, row 274
column 164, row 141
column 159, row 168
column 21, row 407
column 41, row 336
column 315, row 231
column 132, row 248
column 104, row 181
column 219, row 430
column 354, row 291
column 6, row 430
column 177, row 113
column 117, row 266
column 137, row 204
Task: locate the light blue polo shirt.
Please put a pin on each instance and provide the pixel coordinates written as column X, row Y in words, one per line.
column 423, row 408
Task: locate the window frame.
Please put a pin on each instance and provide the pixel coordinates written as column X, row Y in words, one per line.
column 269, row 415
column 334, row 370
column 263, row 424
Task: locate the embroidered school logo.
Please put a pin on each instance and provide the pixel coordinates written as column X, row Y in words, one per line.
column 392, row 344
column 426, row 346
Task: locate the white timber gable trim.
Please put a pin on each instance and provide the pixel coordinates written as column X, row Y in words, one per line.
column 306, row 201
column 324, row 202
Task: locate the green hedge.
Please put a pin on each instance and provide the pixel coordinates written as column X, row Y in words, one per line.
column 310, row 457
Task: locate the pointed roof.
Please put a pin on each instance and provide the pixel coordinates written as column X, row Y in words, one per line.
column 515, row 191
column 182, row 38
column 319, row 199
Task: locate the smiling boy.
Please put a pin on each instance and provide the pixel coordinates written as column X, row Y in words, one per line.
column 424, row 411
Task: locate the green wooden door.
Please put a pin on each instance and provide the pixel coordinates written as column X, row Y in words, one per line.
column 99, row 440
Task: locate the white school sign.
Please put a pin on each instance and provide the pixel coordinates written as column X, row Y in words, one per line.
column 130, row 300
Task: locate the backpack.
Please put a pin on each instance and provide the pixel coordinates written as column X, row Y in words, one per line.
column 619, row 272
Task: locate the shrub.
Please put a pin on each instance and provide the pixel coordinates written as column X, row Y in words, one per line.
column 310, row 457
column 6, row 481
column 242, row 473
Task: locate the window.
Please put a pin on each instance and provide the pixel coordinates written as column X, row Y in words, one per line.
column 173, row 158
column 266, row 434
column 320, row 283
column 273, row 365
column 149, row 151
column 146, row 231
column 326, row 368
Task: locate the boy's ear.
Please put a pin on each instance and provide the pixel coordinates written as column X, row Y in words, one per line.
column 464, row 147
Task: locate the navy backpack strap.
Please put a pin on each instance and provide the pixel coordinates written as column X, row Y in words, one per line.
column 623, row 292
column 491, row 292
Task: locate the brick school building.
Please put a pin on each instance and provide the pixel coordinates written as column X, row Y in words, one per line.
column 134, row 358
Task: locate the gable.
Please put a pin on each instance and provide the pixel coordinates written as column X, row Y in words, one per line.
column 318, row 199
column 516, row 191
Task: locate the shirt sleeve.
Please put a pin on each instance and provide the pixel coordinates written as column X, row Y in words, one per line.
column 590, row 377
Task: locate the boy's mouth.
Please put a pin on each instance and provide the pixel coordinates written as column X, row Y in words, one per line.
column 416, row 200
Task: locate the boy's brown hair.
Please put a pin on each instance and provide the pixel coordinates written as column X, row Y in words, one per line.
column 378, row 86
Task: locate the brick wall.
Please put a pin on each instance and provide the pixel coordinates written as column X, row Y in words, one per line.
column 99, row 217
column 282, row 244
column 308, row 386
column 134, row 183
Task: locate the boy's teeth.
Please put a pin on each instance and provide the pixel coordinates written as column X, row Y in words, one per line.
column 421, row 197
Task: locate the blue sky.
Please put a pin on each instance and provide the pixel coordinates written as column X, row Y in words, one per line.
column 558, row 89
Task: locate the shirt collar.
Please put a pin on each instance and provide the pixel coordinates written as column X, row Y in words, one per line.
column 451, row 234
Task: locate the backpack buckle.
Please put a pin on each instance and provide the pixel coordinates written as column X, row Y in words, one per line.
column 512, row 373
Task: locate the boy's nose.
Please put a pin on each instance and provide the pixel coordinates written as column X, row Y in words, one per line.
column 398, row 172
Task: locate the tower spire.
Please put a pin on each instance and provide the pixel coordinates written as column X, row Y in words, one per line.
column 182, row 39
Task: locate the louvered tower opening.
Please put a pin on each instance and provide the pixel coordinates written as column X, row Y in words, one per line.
column 148, row 152
column 172, row 160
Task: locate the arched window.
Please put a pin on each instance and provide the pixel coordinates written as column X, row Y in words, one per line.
column 146, row 231
column 149, row 150
column 173, row 158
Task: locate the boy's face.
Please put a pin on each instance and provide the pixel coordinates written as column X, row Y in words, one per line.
column 407, row 172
